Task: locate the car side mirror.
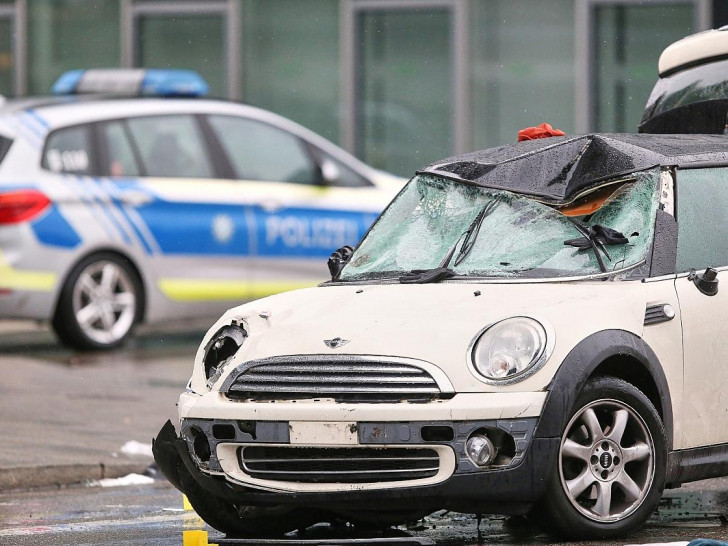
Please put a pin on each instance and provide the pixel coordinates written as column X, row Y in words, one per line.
column 338, row 260
column 329, row 173
column 706, row 282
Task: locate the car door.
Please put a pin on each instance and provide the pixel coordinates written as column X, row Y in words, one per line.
column 305, row 204
column 191, row 219
column 702, row 202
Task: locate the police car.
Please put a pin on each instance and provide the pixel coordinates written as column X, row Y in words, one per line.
column 119, row 210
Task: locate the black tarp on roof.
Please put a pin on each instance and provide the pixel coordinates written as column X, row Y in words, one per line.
column 557, row 169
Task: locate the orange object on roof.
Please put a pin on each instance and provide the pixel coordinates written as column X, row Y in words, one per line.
column 542, row 131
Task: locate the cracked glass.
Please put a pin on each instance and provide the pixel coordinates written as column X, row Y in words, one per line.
column 518, row 236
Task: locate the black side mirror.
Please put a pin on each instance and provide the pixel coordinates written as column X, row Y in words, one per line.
column 706, row 282
column 338, row 260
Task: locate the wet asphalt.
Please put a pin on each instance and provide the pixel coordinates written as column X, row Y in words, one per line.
column 153, row 513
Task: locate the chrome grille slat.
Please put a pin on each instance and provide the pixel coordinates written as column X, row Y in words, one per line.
column 331, row 390
column 336, row 378
column 356, row 464
column 349, row 379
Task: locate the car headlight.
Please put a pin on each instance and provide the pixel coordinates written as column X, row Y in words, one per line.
column 221, row 349
column 510, row 350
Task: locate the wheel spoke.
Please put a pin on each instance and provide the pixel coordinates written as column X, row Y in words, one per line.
column 88, row 315
column 604, row 499
column 109, row 276
column 637, row 452
column 592, row 424
column 631, row 490
column 620, row 423
column 123, row 300
column 87, row 284
column 108, row 319
column 575, row 450
column 580, row 484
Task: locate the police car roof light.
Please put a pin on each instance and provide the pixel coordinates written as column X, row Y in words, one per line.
column 132, row 82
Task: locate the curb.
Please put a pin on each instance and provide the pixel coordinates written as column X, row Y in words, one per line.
column 37, row 477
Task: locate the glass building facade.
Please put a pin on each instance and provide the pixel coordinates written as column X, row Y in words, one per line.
column 400, row 83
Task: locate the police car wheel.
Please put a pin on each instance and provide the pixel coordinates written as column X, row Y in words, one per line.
column 611, row 464
column 99, row 303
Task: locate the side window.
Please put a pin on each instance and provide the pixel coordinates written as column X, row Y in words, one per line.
column 120, row 160
column 702, row 202
column 258, row 151
column 171, row 146
column 68, row 151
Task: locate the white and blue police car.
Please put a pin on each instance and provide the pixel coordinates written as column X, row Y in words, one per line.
column 116, row 209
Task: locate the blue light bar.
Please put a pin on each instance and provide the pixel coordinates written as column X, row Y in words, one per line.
column 134, row 82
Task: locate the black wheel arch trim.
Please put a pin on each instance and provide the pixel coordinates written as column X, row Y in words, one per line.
column 581, row 363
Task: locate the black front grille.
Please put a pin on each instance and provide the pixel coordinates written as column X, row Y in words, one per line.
column 338, row 465
column 353, row 380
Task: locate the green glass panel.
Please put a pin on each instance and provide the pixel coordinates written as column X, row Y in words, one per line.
column 7, row 59
column 69, row 35
column 522, row 68
column 290, row 52
column 194, row 42
column 404, row 88
column 629, row 40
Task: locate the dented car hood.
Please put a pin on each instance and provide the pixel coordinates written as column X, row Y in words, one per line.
column 435, row 323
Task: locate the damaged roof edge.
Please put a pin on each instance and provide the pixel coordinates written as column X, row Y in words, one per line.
column 557, row 170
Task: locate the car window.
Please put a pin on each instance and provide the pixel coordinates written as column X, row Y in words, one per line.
column 702, row 199
column 171, row 146
column 258, row 151
column 68, row 151
column 120, row 160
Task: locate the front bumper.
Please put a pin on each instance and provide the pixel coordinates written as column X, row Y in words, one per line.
column 509, row 488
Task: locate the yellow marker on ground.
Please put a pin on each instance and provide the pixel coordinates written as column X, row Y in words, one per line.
column 186, row 503
column 195, row 538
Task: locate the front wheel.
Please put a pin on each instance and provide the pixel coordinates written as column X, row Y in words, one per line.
column 99, row 303
column 611, row 465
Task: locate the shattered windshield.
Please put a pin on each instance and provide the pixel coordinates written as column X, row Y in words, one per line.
column 475, row 231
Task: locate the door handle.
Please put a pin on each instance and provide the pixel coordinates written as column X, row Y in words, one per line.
column 135, row 198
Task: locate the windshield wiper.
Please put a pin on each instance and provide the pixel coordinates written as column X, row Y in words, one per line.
column 468, row 237
column 596, row 237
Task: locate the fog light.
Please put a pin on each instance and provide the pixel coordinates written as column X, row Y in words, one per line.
column 481, row 450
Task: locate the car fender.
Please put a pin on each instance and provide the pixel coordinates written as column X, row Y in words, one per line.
column 581, row 363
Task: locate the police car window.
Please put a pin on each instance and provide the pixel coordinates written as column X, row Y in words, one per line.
column 68, row 151
column 702, row 221
column 171, row 146
column 120, row 160
column 258, row 151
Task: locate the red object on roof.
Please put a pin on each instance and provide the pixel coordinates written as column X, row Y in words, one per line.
column 542, row 131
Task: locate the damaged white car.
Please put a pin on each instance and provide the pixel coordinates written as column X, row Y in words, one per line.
column 532, row 329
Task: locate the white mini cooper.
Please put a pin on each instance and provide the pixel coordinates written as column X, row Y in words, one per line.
column 534, row 329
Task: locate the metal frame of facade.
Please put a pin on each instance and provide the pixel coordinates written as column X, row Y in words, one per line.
column 350, row 10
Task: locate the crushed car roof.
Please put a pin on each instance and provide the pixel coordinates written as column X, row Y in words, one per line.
column 558, row 169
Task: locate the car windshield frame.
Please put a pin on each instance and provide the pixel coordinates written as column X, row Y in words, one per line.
column 429, row 221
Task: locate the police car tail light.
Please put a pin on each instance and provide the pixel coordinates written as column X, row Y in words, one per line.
column 21, row 206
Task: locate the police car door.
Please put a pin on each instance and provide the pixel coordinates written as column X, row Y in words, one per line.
column 190, row 220
column 306, row 205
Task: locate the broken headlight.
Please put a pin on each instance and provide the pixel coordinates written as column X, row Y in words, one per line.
column 509, row 350
column 221, row 349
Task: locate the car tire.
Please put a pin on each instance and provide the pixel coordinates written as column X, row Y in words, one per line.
column 241, row 520
column 611, row 464
column 99, row 304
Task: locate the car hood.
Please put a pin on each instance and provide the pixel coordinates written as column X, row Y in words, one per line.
column 434, row 322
